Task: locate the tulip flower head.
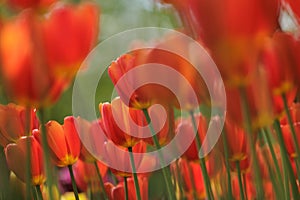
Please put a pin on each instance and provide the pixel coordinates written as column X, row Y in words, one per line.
column 94, row 137
column 117, row 158
column 117, row 192
column 64, row 142
column 118, row 122
column 35, row 4
column 16, row 156
column 86, row 174
column 13, row 123
column 36, row 74
column 185, row 126
column 237, row 142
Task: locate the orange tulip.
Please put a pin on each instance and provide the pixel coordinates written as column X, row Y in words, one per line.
column 280, row 59
column 122, row 117
column 117, row 192
column 64, row 142
column 141, row 98
column 69, row 34
column 264, row 106
column 164, row 125
column 25, row 76
column 170, row 79
column 23, row 4
column 288, row 139
column 85, row 174
column 127, row 68
column 286, row 130
column 94, row 137
column 194, row 175
column 232, row 31
column 188, row 72
column 250, row 188
column 13, row 123
column 295, row 114
column 185, row 126
column 236, row 140
column 16, row 155
column 118, row 157
column 37, row 73
column 121, row 121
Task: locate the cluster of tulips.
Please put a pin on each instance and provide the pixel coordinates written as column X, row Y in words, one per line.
column 42, row 46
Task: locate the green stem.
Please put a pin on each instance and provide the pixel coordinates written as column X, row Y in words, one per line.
column 285, row 172
column 89, row 191
column 286, row 176
column 295, row 140
column 245, row 186
column 248, row 127
column 165, row 170
column 28, row 153
column 100, row 180
column 33, row 191
column 278, row 183
column 113, row 177
column 136, row 182
column 46, row 156
column 266, row 135
column 225, row 144
column 237, row 163
column 39, row 192
column 297, row 168
column 180, row 181
column 126, row 188
column 285, row 159
column 192, row 181
column 73, row 182
column 208, row 189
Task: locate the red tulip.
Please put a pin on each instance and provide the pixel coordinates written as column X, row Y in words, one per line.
column 169, row 79
column 232, row 31
column 69, row 33
column 236, row 141
column 16, row 155
column 52, row 51
column 23, row 4
column 117, row 158
column 185, row 126
column 124, row 125
column 13, row 123
column 188, row 73
column 140, row 98
column 264, row 106
column 92, row 136
column 270, row 81
column 194, row 175
column 288, row 139
column 26, row 78
column 64, row 142
column 85, row 174
column 164, row 124
column 280, row 51
column 286, row 129
column 250, row 188
column 115, row 115
column 295, row 113
column 117, row 192
column 237, row 146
